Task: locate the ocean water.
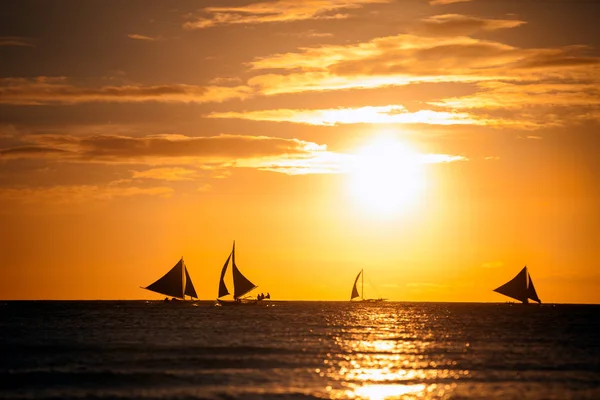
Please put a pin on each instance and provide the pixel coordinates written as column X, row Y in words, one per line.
column 298, row 350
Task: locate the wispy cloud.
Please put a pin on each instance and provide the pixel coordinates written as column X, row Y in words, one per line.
column 289, row 156
column 461, row 25
column 77, row 193
column 404, row 59
column 391, row 114
column 126, row 149
column 167, row 174
column 443, row 2
column 307, row 34
column 505, row 94
column 59, row 91
column 506, row 76
column 136, row 36
column 170, row 152
column 275, row 11
column 16, row 41
column 531, row 104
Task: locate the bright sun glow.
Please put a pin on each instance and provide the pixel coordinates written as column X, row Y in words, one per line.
column 387, row 176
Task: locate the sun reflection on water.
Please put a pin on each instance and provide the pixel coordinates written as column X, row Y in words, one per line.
column 385, row 355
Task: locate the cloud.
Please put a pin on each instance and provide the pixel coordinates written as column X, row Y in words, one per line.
column 404, row 59
column 461, row 25
column 167, row 174
column 167, row 153
column 307, row 34
column 135, row 36
column 43, row 90
column 16, row 41
column 530, row 104
column 76, row 194
column 125, row 148
column 444, row 2
column 275, row 11
column 407, row 58
column 511, row 95
column 517, row 87
column 290, row 156
column 391, row 114
column 30, row 152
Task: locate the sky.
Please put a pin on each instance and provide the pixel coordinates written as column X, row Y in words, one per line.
column 439, row 146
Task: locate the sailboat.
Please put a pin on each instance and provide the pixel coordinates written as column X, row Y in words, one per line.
column 175, row 283
column 241, row 285
column 355, row 293
column 520, row 288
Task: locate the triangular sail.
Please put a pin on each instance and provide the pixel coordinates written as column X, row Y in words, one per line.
column 516, row 288
column 223, row 291
column 241, row 284
column 531, row 293
column 189, row 286
column 171, row 284
column 354, row 288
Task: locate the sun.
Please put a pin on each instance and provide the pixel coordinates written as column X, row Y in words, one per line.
column 386, row 176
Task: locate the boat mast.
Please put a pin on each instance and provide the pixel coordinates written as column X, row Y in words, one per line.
column 362, row 283
column 182, row 278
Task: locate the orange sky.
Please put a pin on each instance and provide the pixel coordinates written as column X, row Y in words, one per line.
column 438, row 145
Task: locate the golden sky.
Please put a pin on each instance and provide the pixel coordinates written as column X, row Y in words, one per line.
column 438, row 145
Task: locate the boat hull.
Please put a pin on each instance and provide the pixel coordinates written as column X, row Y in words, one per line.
column 235, row 303
column 368, row 301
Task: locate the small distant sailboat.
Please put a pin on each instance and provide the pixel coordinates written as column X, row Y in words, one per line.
column 175, row 283
column 520, row 288
column 241, row 285
column 355, row 293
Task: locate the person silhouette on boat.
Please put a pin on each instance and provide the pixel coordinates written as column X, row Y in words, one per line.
column 268, row 296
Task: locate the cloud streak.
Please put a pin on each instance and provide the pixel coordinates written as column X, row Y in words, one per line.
column 542, row 79
column 444, row 2
column 276, row 11
column 391, row 114
column 461, row 25
column 126, row 149
column 43, row 90
column 76, row 194
column 136, row 36
column 167, row 153
column 16, row 41
column 167, row 174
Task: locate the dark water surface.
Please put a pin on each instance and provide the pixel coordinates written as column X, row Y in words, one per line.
column 298, row 350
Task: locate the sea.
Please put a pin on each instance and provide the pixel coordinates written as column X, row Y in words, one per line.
column 298, row 350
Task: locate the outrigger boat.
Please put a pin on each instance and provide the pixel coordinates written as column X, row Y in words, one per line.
column 175, row 283
column 520, row 288
column 241, row 286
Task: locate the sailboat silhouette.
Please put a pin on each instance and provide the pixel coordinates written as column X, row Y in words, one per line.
column 175, row 283
column 241, row 285
column 520, row 288
column 355, row 293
